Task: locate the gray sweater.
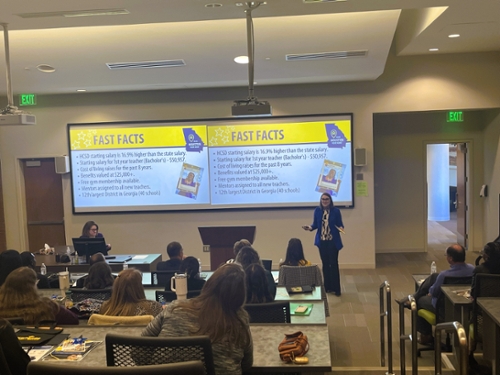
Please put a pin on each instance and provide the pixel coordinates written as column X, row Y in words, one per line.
column 181, row 322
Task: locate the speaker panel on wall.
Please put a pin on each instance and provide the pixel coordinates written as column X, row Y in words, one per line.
column 62, row 164
column 360, row 157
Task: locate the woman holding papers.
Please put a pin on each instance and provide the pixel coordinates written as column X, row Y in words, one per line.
column 328, row 222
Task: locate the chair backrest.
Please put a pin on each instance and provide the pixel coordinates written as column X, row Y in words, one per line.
column 267, row 263
column 182, row 368
column 78, row 295
column 107, row 320
column 165, row 296
column 270, row 312
column 486, row 285
column 139, row 351
column 162, row 278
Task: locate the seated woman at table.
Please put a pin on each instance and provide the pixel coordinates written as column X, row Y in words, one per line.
column 128, row 297
column 247, row 256
column 91, row 230
column 256, row 283
column 491, row 264
column 218, row 313
column 19, row 298
column 99, row 277
column 191, row 267
column 295, row 254
column 29, row 260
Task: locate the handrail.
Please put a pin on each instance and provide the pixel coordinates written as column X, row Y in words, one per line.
column 386, row 311
column 413, row 336
column 461, row 338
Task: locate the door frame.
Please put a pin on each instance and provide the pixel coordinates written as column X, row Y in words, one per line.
column 469, row 202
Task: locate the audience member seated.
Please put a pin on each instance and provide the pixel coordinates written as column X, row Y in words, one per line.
column 96, row 258
column 238, row 245
column 91, row 230
column 295, row 254
column 29, row 260
column 99, row 277
column 19, row 298
column 247, row 256
column 176, row 255
column 15, row 356
column 428, row 293
column 128, row 297
column 491, row 262
column 257, row 284
column 9, row 261
column 191, row 267
column 223, row 297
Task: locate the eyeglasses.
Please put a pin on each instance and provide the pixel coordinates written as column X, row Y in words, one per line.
column 93, row 230
column 325, row 199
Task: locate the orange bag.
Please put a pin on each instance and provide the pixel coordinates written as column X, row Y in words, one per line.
column 293, row 345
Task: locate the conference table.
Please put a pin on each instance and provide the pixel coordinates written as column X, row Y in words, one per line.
column 457, row 306
column 143, row 262
column 491, row 331
column 265, row 342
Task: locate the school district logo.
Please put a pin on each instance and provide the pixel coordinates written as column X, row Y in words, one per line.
column 336, row 138
column 193, row 141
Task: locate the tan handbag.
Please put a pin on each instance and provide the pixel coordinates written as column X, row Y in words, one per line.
column 292, row 346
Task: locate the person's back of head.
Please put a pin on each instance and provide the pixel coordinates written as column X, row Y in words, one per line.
column 223, row 296
column 9, row 261
column 294, row 252
column 257, row 284
column 247, row 255
column 96, row 258
column 456, row 252
column 190, row 266
column 127, row 292
column 99, row 277
column 28, row 259
column 238, row 245
column 491, row 255
column 19, row 297
column 174, row 250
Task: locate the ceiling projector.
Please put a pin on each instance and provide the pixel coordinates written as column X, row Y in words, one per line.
column 251, row 108
column 17, row 119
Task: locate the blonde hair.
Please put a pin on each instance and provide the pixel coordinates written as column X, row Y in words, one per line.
column 19, row 298
column 127, row 293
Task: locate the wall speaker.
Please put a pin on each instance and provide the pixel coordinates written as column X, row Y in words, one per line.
column 359, row 157
column 62, row 164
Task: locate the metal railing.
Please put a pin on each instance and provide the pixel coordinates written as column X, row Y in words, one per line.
column 385, row 311
column 460, row 338
column 413, row 336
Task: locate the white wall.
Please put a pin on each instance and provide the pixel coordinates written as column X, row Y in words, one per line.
column 409, row 84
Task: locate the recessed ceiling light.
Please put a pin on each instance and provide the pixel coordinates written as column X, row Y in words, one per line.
column 433, row 49
column 454, row 36
column 241, row 59
column 81, row 90
column 213, row 5
column 45, row 68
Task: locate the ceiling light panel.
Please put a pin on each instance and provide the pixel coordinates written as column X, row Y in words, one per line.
column 327, row 55
column 147, row 64
column 76, row 13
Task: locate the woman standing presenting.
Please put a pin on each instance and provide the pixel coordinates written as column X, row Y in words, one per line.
column 328, row 221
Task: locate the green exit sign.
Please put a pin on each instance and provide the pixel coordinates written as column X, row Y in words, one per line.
column 455, row 116
column 27, row 99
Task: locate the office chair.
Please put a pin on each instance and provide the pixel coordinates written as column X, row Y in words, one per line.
column 78, row 295
column 270, row 312
column 438, row 317
column 107, row 320
column 127, row 351
column 290, row 276
column 165, row 296
column 181, row 368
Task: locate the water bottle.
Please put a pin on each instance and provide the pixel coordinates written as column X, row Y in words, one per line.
column 433, row 267
column 199, row 262
column 43, row 269
column 125, row 266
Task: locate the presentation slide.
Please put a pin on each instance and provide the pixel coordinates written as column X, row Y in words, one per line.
column 282, row 162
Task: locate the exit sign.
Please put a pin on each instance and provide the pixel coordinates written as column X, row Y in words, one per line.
column 27, row 99
column 455, row 116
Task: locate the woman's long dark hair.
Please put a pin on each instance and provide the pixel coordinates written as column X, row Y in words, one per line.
column 190, row 266
column 99, row 277
column 87, row 226
column 256, row 283
column 331, row 201
column 219, row 307
column 294, row 253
